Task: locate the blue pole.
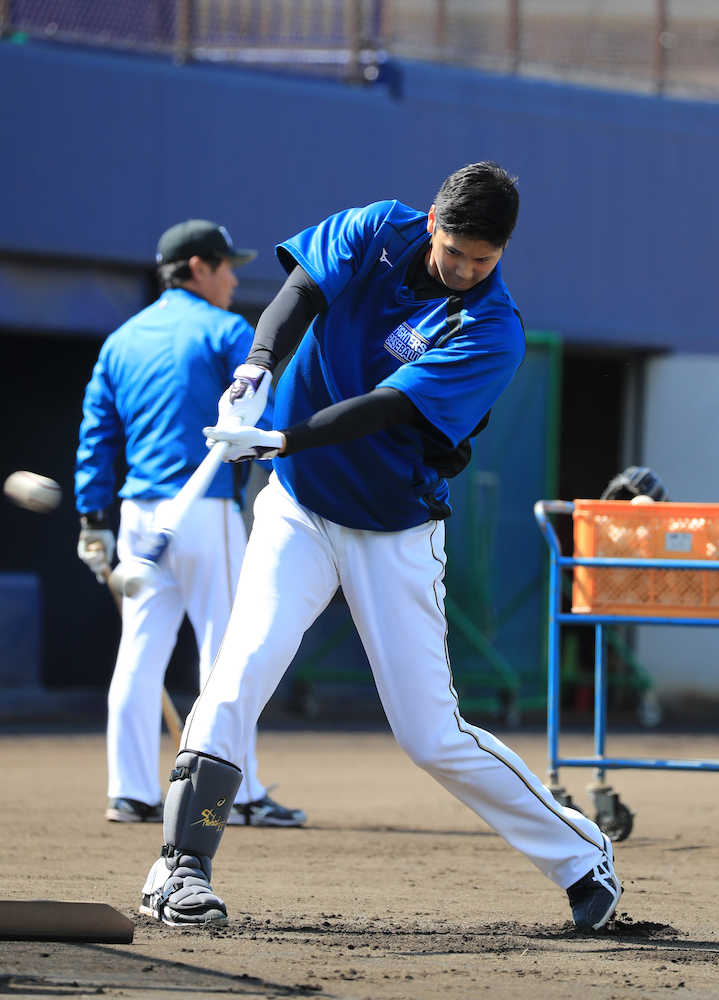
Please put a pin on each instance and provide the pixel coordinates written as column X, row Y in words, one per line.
column 600, row 698
column 553, row 669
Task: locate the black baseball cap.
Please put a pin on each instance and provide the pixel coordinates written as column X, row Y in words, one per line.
column 202, row 238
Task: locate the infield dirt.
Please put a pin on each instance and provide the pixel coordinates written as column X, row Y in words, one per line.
column 393, row 891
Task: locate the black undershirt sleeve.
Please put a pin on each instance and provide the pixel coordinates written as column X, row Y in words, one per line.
column 284, row 321
column 352, row 418
column 279, row 330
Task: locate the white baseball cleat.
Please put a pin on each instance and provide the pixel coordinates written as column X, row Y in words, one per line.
column 182, row 896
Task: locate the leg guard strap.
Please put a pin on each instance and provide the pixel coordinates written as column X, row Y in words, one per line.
column 199, row 800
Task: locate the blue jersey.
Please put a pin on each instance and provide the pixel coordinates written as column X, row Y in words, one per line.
column 452, row 356
column 155, row 385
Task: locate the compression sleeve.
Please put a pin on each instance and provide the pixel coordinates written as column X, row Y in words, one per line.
column 285, row 319
column 352, row 418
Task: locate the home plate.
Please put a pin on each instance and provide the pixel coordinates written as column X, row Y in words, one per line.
column 49, row 920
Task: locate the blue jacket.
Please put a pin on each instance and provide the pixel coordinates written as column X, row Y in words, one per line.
column 155, row 385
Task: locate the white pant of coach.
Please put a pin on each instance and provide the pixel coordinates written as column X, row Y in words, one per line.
column 392, row 581
column 198, row 575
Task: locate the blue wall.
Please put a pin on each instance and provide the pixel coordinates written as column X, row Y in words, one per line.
column 618, row 239
column 616, row 244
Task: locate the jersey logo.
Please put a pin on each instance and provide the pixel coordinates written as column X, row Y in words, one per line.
column 384, row 257
column 405, row 343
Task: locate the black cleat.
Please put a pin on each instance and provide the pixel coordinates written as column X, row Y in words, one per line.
column 132, row 811
column 595, row 896
column 265, row 812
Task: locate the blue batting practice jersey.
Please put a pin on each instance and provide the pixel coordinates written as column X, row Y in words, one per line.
column 156, row 384
column 452, row 356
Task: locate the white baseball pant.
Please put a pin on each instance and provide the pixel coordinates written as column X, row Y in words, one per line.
column 392, row 581
column 198, row 575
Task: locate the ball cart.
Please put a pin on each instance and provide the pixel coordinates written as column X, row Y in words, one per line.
column 653, row 564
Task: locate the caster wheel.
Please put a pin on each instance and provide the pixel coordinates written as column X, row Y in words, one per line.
column 617, row 827
column 565, row 799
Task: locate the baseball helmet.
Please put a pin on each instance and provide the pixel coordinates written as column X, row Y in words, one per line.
column 636, row 480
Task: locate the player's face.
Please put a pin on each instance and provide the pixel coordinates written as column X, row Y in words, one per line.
column 459, row 262
column 216, row 286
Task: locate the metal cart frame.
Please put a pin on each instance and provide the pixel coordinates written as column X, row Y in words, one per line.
column 613, row 816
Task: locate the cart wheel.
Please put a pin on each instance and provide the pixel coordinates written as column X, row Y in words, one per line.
column 618, row 826
column 565, row 799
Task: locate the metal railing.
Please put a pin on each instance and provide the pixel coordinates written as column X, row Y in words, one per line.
column 646, row 45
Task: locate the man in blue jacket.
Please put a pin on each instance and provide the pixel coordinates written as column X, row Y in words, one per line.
column 154, row 387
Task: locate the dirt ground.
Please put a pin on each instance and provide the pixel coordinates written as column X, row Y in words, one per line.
column 393, row 891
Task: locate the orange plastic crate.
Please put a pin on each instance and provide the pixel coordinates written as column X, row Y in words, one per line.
column 618, row 529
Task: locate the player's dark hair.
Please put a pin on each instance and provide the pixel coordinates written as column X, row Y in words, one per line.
column 479, row 201
column 177, row 272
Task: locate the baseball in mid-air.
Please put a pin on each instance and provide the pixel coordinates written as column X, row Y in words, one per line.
column 32, row 491
column 641, row 499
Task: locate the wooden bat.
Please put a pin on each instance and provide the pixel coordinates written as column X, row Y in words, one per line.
column 130, row 577
column 172, row 717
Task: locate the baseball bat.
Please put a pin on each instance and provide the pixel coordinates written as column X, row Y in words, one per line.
column 172, row 717
column 129, row 578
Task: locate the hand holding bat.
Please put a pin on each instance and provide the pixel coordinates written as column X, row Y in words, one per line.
column 244, row 443
column 245, row 400
column 96, row 547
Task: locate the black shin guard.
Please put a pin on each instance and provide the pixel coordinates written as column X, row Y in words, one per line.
column 202, row 791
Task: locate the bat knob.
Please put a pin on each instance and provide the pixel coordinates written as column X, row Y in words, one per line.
column 116, row 580
column 130, row 577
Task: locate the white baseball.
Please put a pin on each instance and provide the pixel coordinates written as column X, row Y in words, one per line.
column 33, row 492
column 641, row 499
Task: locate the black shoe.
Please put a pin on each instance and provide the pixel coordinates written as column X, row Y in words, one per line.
column 132, row 811
column 265, row 812
column 594, row 897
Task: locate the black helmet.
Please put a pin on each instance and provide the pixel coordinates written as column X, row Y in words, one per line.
column 636, row 480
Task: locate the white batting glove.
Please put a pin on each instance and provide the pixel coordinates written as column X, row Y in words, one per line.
column 246, row 398
column 247, row 442
column 96, row 547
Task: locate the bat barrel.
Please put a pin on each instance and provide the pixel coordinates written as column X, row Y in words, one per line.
column 173, row 513
column 131, row 575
